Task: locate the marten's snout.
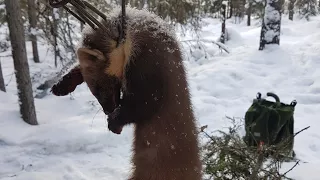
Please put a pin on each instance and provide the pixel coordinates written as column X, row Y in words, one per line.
column 109, row 104
column 109, row 99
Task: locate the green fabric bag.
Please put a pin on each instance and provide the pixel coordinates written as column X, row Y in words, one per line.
column 270, row 123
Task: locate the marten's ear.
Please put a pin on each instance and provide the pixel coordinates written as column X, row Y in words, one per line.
column 88, row 56
column 68, row 82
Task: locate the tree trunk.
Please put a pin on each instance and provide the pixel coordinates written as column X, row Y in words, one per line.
column 242, row 9
column 270, row 30
column 223, row 26
column 2, row 85
column 231, row 8
column 20, row 61
column 54, row 32
column 33, row 25
column 249, row 14
column 291, row 9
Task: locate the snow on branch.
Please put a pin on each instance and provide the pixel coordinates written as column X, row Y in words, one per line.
column 226, row 156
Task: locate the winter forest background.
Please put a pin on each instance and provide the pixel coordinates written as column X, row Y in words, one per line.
column 232, row 49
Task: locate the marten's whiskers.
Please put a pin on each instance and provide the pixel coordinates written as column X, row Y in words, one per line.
column 100, row 109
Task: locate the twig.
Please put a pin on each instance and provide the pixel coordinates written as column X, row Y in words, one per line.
column 297, row 163
column 222, row 46
column 301, row 131
column 95, row 116
column 9, row 79
column 202, row 130
column 255, row 172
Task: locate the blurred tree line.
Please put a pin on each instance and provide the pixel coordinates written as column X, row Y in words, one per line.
column 61, row 30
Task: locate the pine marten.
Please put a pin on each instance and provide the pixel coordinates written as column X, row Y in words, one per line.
column 148, row 69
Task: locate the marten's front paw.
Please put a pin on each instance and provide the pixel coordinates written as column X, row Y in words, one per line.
column 114, row 122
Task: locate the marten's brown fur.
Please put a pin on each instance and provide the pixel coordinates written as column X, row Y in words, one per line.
column 148, row 68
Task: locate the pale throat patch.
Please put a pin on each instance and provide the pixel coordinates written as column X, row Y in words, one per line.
column 119, row 58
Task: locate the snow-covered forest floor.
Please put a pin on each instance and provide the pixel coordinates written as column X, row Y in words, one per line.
column 72, row 141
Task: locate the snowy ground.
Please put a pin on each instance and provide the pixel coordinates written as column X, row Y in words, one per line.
column 73, row 143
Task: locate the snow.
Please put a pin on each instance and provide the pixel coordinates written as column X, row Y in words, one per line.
column 56, row 13
column 34, row 31
column 72, row 141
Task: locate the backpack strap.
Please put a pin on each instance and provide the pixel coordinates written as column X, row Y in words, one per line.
column 258, row 95
column 278, row 103
column 293, row 103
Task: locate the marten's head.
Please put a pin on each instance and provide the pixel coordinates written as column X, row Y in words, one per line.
column 101, row 66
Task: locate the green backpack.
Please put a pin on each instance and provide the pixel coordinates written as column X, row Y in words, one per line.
column 270, row 123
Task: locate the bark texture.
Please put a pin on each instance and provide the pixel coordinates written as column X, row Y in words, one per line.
column 21, row 66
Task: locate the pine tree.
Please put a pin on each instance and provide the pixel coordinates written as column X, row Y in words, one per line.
column 307, row 8
column 291, row 9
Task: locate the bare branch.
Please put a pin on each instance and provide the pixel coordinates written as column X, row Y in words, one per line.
column 301, row 130
column 220, row 45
